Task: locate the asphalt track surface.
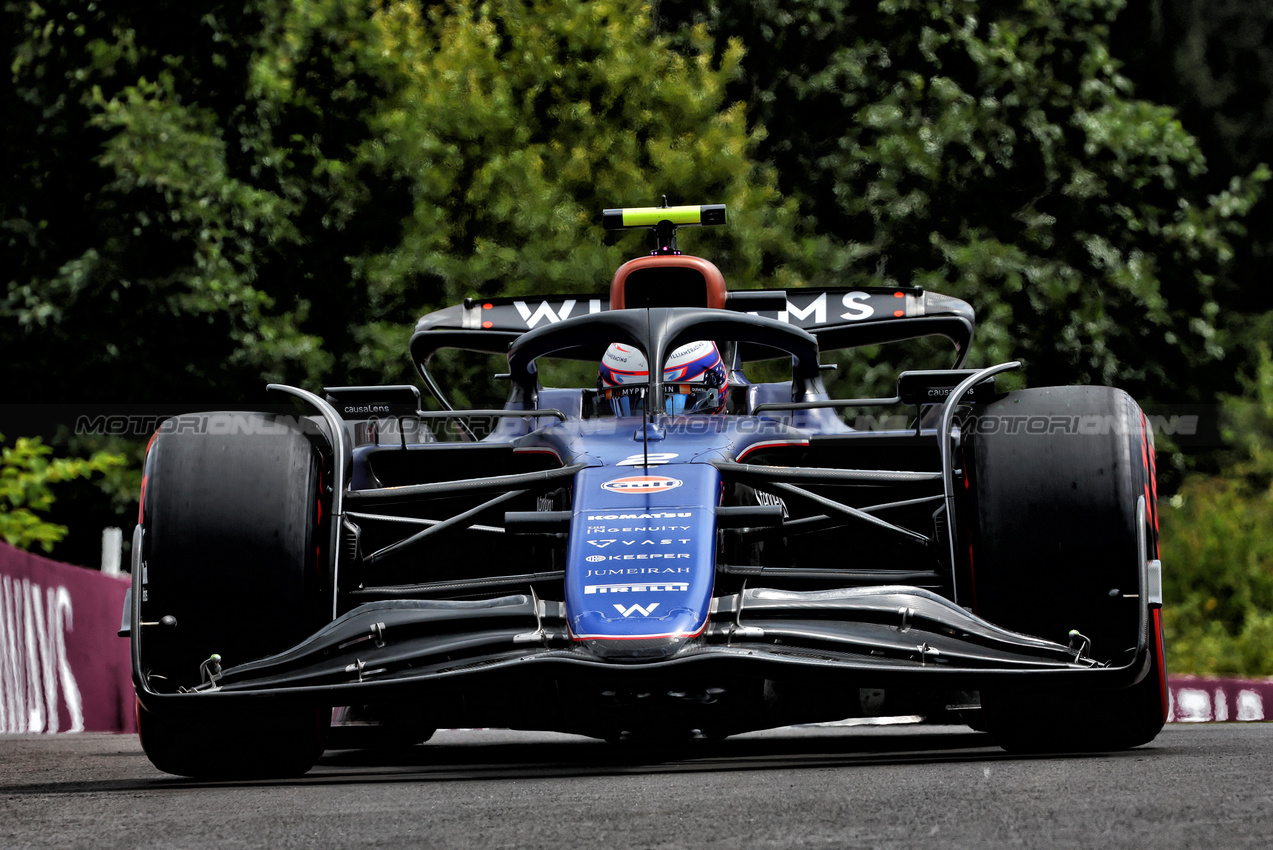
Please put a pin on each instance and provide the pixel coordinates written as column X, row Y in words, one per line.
column 1203, row 785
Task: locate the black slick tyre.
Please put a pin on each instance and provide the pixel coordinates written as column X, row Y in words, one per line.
column 1060, row 517
column 232, row 743
column 233, row 548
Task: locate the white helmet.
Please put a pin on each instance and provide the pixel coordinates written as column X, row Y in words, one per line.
column 694, row 379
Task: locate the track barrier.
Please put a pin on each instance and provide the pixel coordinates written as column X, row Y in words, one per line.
column 1200, row 699
column 62, row 668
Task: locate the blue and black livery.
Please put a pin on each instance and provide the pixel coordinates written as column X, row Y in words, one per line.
column 547, row 564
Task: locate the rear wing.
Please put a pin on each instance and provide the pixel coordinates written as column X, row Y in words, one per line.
column 839, row 317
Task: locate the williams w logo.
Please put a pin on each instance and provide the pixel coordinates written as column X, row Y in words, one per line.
column 631, row 609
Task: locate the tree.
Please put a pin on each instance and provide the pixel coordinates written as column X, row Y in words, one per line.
column 132, row 227
column 1213, row 61
column 26, row 474
column 994, row 151
column 517, row 123
column 1217, row 545
column 280, row 188
column 208, row 197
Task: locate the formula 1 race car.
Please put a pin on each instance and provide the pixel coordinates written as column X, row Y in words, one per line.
column 689, row 552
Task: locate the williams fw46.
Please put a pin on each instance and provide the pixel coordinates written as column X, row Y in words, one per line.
column 733, row 540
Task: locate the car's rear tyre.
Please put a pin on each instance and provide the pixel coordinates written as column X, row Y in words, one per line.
column 1061, row 517
column 233, row 548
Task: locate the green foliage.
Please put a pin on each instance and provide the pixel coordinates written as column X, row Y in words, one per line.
column 268, row 189
column 1217, row 548
column 994, row 151
column 516, row 128
column 1213, row 60
column 274, row 186
column 134, row 227
column 516, row 124
column 26, row 474
column 1218, row 564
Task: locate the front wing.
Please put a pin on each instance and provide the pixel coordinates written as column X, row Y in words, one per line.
column 881, row 636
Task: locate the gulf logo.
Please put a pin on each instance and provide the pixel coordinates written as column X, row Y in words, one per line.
column 642, row 484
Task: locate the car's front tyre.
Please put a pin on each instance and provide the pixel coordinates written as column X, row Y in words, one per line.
column 1060, row 520
column 233, row 551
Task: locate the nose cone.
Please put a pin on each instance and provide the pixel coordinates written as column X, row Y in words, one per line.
column 641, row 559
column 673, row 629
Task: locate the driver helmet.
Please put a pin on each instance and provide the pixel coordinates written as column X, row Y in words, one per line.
column 694, row 379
